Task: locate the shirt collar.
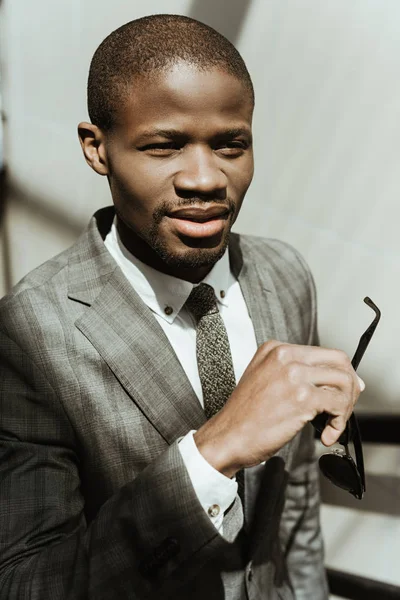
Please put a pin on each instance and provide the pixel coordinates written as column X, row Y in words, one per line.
column 164, row 294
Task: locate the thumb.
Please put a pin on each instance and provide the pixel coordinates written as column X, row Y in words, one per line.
column 333, row 430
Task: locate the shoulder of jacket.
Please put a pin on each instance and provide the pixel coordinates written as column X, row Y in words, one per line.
column 35, row 293
column 272, row 250
column 38, row 277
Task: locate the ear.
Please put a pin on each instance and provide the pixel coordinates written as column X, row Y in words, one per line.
column 92, row 142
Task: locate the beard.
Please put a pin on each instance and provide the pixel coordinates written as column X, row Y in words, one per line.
column 199, row 253
column 193, row 257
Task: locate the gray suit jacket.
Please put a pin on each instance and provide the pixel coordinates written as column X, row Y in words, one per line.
column 95, row 501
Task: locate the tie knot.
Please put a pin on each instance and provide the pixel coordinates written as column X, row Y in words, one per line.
column 202, row 301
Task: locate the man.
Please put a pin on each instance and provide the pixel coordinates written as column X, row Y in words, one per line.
column 141, row 383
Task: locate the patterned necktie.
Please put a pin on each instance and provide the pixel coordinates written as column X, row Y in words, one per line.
column 214, row 359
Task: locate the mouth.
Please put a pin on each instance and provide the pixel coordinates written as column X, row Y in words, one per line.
column 197, row 222
column 200, row 214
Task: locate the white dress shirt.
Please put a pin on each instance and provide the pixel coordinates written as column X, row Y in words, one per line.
column 166, row 296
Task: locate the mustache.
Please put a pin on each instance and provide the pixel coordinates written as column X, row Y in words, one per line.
column 167, row 207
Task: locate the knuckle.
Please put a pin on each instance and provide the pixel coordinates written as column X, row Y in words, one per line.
column 282, row 352
column 295, row 372
column 270, row 344
column 302, row 394
column 268, row 347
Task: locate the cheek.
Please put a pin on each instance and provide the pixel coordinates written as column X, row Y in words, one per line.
column 241, row 178
column 250, row 168
column 135, row 190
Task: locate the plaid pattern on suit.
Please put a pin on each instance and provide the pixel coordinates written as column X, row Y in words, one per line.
column 95, row 501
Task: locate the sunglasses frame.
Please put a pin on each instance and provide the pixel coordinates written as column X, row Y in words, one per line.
column 352, row 431
column 337, row 456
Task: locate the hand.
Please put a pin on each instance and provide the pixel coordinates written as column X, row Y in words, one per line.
column 284, row 387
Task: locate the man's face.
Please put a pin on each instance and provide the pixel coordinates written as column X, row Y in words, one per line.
column 180, row 161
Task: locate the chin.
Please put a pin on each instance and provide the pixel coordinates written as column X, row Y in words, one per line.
column 193, row 254
column 194, row 257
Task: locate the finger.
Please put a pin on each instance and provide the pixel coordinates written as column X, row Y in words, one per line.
column 337, row 404
column 343, row 381
column 331, row 377
column 361, row 383
column 315, row 355
column 325, row 384
column 333, row 430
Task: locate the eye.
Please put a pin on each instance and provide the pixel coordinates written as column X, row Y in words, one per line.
column 161, row 148
column 232, row 148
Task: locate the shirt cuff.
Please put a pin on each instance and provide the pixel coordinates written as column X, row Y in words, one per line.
column 214, row 491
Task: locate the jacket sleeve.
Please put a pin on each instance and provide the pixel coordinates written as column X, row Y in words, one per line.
column 146, row 540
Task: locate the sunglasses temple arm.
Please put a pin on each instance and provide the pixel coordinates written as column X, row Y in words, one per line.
column 358, row 448
column 365, row 339
column 363, row 343
column 352, row 425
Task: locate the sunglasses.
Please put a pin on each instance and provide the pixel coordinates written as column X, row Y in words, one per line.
column 338, row 465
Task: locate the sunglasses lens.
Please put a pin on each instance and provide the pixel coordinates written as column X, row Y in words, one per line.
column 342, row 471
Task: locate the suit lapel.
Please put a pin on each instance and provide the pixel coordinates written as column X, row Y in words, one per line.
column 268, row 320
column 259, row 292
column 262, row 301
column 130, row 340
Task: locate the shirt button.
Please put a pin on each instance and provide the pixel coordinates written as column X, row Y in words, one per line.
column 214, row 510
column 222, row 294
column 168, row 310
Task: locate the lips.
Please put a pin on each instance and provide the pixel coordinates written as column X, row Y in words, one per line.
column 200, row 214
column 198, row 222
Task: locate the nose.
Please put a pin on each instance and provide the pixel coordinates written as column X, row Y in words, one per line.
column 200, row 175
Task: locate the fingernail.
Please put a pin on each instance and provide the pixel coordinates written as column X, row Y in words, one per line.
column 362, row 384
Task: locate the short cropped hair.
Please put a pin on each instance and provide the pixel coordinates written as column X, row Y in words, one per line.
column 151, row 45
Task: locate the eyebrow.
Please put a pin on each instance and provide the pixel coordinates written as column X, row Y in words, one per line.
column 176, row 133
column 165, row 133
column 235, row 132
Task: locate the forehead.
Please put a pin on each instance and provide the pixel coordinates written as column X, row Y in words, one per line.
column 187, row 97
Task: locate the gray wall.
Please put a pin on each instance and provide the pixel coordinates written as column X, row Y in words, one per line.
column 327, row 125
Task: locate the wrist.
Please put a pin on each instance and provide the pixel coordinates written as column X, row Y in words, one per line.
column 217, row 450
